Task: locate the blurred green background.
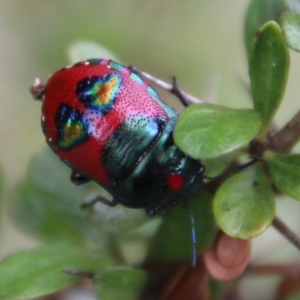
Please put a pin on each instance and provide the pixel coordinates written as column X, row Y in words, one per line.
column 199, row 41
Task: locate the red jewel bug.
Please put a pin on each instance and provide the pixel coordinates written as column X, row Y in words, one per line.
column 105, row 122
column 110, row 126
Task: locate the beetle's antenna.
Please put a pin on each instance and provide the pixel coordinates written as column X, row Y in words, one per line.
column 193, row 238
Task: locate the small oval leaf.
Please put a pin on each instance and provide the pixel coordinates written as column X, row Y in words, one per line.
column 33, row 273
column 172, row 241
column 115, row 219
column 57, row 182
column 50, row 217
column 285, row 172
column 258, row 13
column 206, row 131
column 47, row 204
column 82, row 50
column 291, row 27
column 244, row 205
column 119, row 283
column 268, row 69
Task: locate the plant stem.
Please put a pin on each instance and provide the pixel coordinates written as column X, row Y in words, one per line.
column 287, row 137
column 286, row 269
column 286, row 232
column 169, row 87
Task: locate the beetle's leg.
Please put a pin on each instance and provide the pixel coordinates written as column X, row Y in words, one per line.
column 78, row 178
column 92, row 202
column 151, row 211
column 114, row 202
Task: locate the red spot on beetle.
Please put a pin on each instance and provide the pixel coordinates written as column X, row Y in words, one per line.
column 175, row 182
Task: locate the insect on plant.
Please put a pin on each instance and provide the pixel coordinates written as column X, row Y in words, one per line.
column 106, row 123
column 109, row 125
column 223, row 168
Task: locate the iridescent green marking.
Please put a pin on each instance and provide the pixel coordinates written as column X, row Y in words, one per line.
column 72, row 127
column 105, row 91
column 73, row 131
column 99, row 93
column 136, row 78
column 152, row 92
column 95, row 61
column 116, row 66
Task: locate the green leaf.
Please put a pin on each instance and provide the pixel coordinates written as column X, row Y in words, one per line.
column 50, row 174
column 258, row 13
column 215, row 166
column 47, row 204
column 49, row 216
column 33, row 273
column 291, row 27
column 173, row 242
column 115, row 219
column 244, row 205
column 217, row 288
column 82, row 50
column 285, row 172
column 268, row 68
column 119, row 283
column 206, row 131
